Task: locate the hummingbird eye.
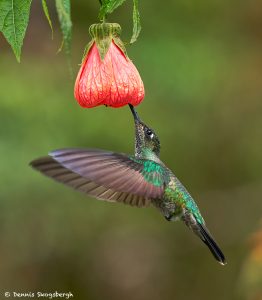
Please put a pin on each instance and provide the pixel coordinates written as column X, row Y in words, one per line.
column 149, row 133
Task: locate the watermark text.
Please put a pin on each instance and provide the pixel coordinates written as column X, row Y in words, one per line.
column 39, row 295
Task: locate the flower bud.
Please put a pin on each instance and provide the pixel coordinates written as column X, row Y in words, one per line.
column 107, row 76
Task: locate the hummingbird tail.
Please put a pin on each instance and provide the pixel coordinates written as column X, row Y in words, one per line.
column 211, row 244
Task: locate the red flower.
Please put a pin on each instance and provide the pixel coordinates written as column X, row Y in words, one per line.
column 108, row 76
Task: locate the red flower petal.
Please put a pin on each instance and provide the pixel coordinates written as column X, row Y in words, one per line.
column 114, row 81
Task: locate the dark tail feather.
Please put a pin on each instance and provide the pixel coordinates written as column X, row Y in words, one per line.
column 211, row 244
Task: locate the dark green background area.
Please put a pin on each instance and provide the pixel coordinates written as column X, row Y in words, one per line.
column 201, row 65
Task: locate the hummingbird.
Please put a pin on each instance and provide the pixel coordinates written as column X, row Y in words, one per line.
column 138, row 180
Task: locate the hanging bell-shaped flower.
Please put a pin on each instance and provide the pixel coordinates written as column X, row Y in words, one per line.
column 107, row 76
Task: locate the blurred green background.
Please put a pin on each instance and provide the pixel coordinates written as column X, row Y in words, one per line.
column 201, row 62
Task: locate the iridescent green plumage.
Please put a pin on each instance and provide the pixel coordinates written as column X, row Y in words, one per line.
column 178, row 194
column 152, row 171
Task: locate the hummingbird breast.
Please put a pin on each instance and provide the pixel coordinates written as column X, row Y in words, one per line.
column 176, row 200
column 170, row 204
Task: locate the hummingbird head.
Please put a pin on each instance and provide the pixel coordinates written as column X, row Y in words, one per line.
column 146, row 138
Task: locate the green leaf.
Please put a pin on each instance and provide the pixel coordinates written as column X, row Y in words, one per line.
column 14, row 18
column 45, row 9
column 136, row 22
column 108, row 6
column 64, row 16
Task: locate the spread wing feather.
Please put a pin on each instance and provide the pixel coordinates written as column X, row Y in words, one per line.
column 114, row 170
column 105, row 175
column 51, row 168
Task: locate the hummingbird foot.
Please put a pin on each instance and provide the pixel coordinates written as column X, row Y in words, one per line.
column 169, row 218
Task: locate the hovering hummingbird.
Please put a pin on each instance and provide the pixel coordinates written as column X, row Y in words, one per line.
column 138, row 180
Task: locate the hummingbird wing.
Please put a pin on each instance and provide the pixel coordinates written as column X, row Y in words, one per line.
column 51, row 168
column 105, row 175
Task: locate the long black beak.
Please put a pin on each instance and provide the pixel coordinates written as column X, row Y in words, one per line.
column 136, row 117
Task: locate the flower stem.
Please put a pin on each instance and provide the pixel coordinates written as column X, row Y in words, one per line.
column 104, row 17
